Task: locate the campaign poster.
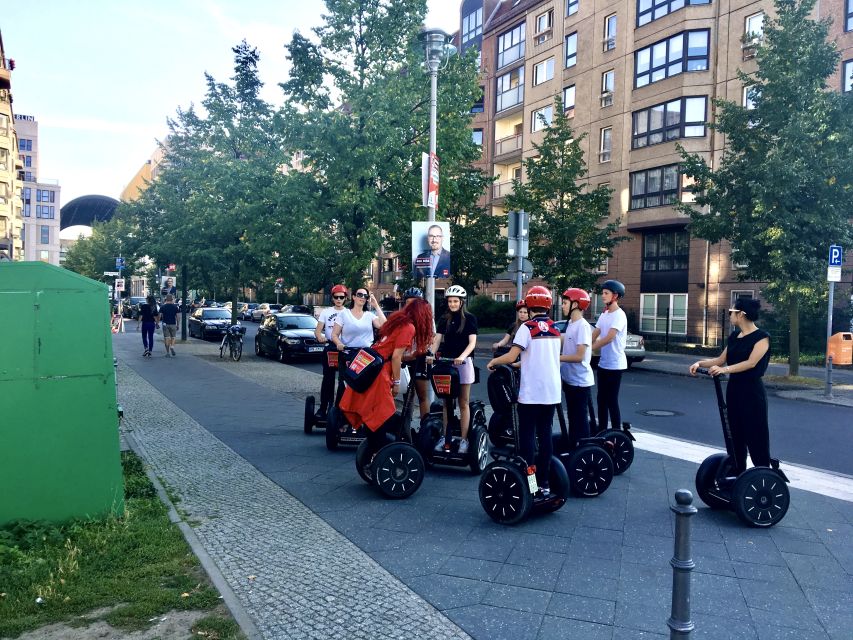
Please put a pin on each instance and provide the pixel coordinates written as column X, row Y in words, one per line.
column 431, row 249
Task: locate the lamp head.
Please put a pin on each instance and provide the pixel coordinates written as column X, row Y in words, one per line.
column 436, row 43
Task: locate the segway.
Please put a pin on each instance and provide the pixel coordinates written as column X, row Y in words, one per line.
column 759, row 496
column 589, row 465
column 335, row 420
column 508, row 489
column 620, row 442
column 397, row 469
column 317, row 417
column 444, row 378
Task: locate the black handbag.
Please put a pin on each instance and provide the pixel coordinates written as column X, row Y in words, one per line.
column 363, row 369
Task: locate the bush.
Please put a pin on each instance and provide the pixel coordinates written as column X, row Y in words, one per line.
column 491, row 313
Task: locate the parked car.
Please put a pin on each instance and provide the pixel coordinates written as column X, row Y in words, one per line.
column 286, row 336
column 246, row 311
column 635, row 348
column 261, row 311
column 130, row 306
column 298, row 308
column 207, row 322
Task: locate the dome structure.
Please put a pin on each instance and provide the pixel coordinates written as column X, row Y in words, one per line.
column 86, row 209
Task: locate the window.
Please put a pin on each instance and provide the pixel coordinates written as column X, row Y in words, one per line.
column 44, row 255
column 472, row 25
column 754, row 27
column 511, row 46
column 739, row 294
column 738, row 263
column 501, row 297
column 848, row 23
column 28, row 161
column 571, row 50
column 666, row 250
column 605, row 145
column 687, row 51
column 649, row 10
column 510, row 89
column 654, row 187
column 543, row 71
column 847, row 75
column 655, row 308
column 477, row 137
column 608, row 83
column 29, row 176
column 544, row 21
column 750, row 94
column 44, row 234
column 569, row 101
column 28, row 210
column 541, row 118
column 27, row 193
column 572, row 7
column 24, row 144
column 4, row 159
column 478, row 107
column 4, row 130
column 682, row 118
column 610, row 32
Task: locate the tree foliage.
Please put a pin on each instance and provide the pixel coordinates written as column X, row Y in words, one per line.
column 92, row 256
column 783, row 191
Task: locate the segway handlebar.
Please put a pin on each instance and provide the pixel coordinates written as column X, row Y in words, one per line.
column 704, row 371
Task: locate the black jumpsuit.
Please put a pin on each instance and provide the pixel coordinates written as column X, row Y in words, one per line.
column 746, row 402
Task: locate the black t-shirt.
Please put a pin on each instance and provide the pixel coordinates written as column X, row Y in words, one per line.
column 169, row 313
column 739, row 350
column 147, row 312
column 454, row 342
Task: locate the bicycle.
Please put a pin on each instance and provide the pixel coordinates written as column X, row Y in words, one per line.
column 233, row 342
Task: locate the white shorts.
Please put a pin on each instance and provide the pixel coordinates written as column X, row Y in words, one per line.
column 466, row 371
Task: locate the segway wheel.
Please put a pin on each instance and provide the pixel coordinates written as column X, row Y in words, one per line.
column 504, row 493
column 362, row 462
column 333, row 424
column 559, row 485
column 705, row 477
column 479, row 452
column 621, row 449
column 308, row 425
column 760, row 497
column 398, row 470
column 590, row 471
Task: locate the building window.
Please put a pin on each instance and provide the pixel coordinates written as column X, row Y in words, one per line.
column 511, row 46
column 655, row 308
column 608, row 84
column 501, row 297
column 654, row 187
column 610, row 32
column 29, row 176
column 682, row 118
column 477, row 137
column 754, row 27
column 479, row 106
column 848, row 23
column 750, row 94
column 847, row 75
column 472, row 25
column 687, row 51
column 44, row 255
column 649, row 10
column 28, row 161
column 544, row 22
column 24, row 144
column 543, row 71
column 510, row 90
column 4, row 130
column 44, row 234
column 4, row 159
column 737, row 262
column 666, row 250
column 28, row 210
column 739, row 294
column 541, row 118
column 569, row 101
column 605, row 144
column 572, row 7
column 571, row 50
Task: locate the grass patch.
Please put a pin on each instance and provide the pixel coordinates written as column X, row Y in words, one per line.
column 216, row 628
column 794, row 381
column 137, row 566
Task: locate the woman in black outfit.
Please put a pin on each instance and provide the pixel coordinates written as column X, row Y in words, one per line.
column 745, row 359
column 149, row 316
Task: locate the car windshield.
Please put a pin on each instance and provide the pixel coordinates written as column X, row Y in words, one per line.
column 216, row 314
column 297, row 322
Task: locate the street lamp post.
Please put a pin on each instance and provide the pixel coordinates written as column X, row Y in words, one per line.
column 437, row 50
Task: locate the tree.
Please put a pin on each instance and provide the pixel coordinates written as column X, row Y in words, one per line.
column 569, row 232
column 92, row 256
column 783, row 191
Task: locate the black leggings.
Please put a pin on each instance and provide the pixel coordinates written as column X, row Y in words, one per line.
column 534, row 422
column 577, row 406
column 609, row 381
column 746, row 407
column 327, row 388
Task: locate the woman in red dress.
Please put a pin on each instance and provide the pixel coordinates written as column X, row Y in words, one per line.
column 412, row 325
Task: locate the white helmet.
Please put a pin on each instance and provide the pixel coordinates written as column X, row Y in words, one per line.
column 455, row 291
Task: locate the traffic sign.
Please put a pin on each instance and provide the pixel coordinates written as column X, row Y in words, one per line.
column 119, row 263
column 172, row 267
column 119, row 284
column 833, row 274
column 111, row 273
column 836, row 256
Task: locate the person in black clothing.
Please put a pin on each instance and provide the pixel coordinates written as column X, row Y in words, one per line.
column 149, row 316
column 745, row 359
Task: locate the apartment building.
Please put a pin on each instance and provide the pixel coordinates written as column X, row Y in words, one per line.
column 637, row 77
column 11, row 225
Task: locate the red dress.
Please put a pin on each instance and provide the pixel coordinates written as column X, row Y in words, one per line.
column 376, row 405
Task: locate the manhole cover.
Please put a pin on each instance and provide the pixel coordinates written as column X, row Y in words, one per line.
column 660, row 413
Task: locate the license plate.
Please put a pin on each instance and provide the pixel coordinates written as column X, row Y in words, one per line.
column 315, row 349
column 531, row 482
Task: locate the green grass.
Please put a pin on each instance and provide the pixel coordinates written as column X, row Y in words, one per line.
column 139, row 566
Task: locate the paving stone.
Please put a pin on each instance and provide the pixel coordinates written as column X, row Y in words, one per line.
column 449, row 592
column 833, row 610
column 555, row 628
column 541, row 577
column 496, row 623
column 772, row 632
column 566, row 605
column 712, row 594
column 518, row 598
column 721, row 627
column 471, row 568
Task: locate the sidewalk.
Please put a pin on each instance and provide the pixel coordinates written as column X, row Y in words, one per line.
column 310, row 551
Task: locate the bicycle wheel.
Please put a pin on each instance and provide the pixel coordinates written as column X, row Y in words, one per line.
column 236, row 350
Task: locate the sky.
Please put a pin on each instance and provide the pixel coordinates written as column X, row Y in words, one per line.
column 101, row 77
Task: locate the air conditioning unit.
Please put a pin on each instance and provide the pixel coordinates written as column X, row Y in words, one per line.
column 607, row 99
column 542, row 38
column 748, row 50
column 609, row 43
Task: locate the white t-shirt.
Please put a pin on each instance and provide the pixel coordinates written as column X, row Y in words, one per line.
column 577, row 374
column 540, row 364
column 327, row 320
column 356, row 332
column 613, row 353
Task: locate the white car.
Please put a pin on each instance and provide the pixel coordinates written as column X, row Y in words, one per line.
column 263, row 310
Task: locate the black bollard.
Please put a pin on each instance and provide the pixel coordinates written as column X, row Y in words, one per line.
column 680, row 624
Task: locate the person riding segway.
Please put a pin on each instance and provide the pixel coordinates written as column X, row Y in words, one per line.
column 323, row 334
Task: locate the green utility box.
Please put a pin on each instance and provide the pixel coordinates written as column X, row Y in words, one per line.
column 59, row 441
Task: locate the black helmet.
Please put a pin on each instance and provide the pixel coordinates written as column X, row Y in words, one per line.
column 615, row 286
column 413, row 292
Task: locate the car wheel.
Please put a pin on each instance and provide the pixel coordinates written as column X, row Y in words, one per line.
column 258, row 351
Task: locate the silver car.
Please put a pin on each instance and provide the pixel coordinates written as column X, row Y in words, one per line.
column 635, row 347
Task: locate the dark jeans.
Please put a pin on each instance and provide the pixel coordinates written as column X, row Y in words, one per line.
column 148, row 335
column 327, row 388
column 608, row 398
column 577, row 401
column 534, row 422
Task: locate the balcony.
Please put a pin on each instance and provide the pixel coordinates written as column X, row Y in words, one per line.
column 501, row 190
column 509, row 145
column 6, row 67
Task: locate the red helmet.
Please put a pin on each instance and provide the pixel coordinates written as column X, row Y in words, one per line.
column 538, row 297
column 339, row 288
column 579, row 296
column 521, row 304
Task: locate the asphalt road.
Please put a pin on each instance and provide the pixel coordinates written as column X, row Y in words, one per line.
column 801, row 432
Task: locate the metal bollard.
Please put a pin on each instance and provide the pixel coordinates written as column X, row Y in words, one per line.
column 680, row 624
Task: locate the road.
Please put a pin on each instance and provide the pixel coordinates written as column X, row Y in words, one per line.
column 800, row 432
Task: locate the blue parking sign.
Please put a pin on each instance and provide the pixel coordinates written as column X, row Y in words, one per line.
column 836, row 255
column 119, row 263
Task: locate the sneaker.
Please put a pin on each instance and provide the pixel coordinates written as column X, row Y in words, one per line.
column 463, row 446
column 544, row 493
column 145, row 353
column 439, row 446
column 173, row 351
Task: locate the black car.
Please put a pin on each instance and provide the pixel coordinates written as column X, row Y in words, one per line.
column 130, row 306
column 206, row 322
column 287, row 335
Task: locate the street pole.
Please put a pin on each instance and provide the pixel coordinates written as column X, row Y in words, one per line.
column 433, row 63
column 828, row 390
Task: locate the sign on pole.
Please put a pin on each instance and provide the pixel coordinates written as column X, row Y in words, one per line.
column 429, row 180
column 111, row 273
column 119, row 263
column 119, row 284
column 833, row 275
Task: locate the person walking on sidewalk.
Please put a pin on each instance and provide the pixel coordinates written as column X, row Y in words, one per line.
column 169, row 319
column 609, row 336
column 323, row 333
column 149, row 316
column 575, row 369
column 745, row 359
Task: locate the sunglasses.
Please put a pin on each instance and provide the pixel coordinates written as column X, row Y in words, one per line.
column 339, row 297
column 363, row 296
column 735, row 311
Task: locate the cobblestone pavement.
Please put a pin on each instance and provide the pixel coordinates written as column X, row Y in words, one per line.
column 595, row 569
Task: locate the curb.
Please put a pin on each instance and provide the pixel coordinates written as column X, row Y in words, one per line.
column 247, row 626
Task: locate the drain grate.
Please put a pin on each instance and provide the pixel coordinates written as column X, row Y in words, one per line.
column 660, row 413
